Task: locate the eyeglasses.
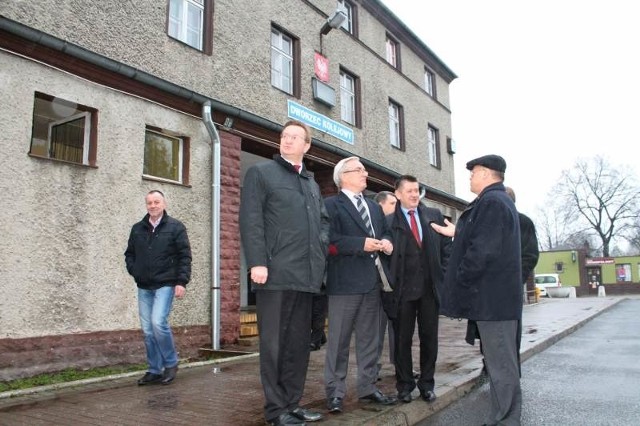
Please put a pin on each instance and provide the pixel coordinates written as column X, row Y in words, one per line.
column 360, row 170
column 292, row 137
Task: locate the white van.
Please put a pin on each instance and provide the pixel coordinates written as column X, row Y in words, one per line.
column 542, row 281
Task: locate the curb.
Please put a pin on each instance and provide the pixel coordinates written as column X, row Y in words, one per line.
column 113, row 377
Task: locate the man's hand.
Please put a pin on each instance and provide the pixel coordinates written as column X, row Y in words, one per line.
column 448, row 231
column 259, row 274
column 387, row 247
column 372, row 245
column 179, row 291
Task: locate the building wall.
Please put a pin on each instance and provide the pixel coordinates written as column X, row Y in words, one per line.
column 68, row 298
column 238, row 71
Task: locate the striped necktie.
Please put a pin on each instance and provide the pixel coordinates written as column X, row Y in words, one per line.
column 363, row 214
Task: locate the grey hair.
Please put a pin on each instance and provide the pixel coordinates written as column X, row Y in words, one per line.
column 337, row 170
column 381, row 197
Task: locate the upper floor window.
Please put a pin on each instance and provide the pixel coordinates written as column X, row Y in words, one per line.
column 190, row 21
column 349, row 9
column 429, row 82
column 396, row 137
column 348, row 97
column 432, row 146
column 166, row 156
column 393, row 52
column 63, row 130
column 283, row 61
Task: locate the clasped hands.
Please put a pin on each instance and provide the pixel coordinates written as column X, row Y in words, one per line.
column 373, row 244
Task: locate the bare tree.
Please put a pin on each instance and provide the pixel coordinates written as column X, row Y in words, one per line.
column 598, row 198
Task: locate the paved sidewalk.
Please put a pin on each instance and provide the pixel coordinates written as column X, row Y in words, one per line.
column 229, row 392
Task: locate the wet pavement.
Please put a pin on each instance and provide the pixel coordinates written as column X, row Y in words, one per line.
column 228, row 392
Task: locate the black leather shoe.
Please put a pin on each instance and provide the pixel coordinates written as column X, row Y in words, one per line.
column 428, row 396
column 314, row 346
column 149, row 378
column 405, row 397
column 334, row 405
column 286, row 419
column 379, row 398
column 306, row 415
column 169, row 375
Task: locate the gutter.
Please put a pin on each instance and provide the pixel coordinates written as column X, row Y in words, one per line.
column 215, row 224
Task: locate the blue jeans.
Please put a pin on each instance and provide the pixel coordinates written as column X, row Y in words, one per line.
column 154, row 307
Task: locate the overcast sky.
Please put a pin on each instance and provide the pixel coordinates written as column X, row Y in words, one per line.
column 539, row 82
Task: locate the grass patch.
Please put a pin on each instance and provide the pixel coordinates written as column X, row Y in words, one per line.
column 68, row 375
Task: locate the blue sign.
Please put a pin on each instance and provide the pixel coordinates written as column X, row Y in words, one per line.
column 320, row 122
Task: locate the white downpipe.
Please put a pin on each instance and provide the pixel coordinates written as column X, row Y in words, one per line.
column 215, row 225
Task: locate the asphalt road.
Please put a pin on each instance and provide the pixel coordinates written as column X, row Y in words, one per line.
column 591, row 377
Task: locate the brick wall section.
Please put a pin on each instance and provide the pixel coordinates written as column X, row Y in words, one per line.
column 230, row 238
column 34, row 355
column 325, row 182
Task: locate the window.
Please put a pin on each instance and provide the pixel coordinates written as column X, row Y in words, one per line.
column 349, row 9
column 283, row 61
column 396, row 137
column 166, row 156
column 559, row 267
column 63, row 130
column 393, row 52
column 623, row 272
column 349, row 98
column 429, row 82
column 433, row 146
column 191, row 22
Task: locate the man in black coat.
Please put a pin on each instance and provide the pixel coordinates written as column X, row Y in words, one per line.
column 417, row 268
column 285, row 236
column 483, row 282
column 359, row 232
column 158, row 257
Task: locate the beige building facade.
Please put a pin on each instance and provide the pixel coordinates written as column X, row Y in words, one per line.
column 103, row 101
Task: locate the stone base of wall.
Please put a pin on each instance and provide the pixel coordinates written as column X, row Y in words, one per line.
column 610, row 289
column 36, row 355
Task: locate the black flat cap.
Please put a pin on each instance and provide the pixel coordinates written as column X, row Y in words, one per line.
column 493, row 162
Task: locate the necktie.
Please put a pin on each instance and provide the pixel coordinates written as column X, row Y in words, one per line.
column 297, row 167
column 363, row 214
column 414, row 227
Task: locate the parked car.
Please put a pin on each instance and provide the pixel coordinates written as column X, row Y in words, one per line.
column 542, row 281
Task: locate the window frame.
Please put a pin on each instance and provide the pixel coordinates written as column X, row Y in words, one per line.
column 430, row 82
column 183, row 156
column 433, row 146
column 294, row 63
column 396, row 122
column 206, row 25
column 355, row 97
column 350, row 25
column 392, row 52
column 90, row 136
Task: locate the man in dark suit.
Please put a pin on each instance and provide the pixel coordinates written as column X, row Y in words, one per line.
column 358, row 232
column 285, row 235
column 417, row 269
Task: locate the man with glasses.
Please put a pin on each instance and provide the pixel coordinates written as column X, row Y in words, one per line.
column 359, row 233
column 285, row 236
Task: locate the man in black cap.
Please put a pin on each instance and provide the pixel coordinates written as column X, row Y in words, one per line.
column 483, row 282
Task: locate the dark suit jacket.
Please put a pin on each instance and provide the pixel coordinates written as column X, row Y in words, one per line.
column 413, row 267
column 350, row 269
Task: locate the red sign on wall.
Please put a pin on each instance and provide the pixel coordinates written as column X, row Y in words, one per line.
column 321, row 65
